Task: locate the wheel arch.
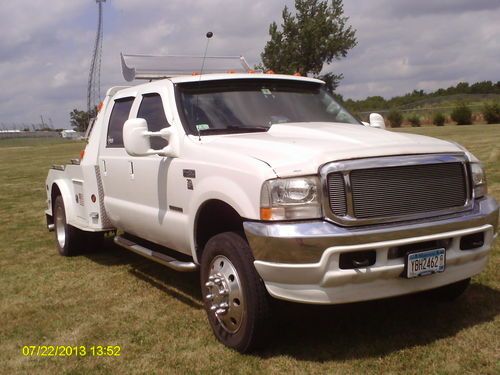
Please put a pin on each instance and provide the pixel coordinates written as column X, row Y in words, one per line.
column 59, row 188
column 205, row 227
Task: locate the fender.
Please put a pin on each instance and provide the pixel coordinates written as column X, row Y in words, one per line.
column 67, row 195
column 239, row 200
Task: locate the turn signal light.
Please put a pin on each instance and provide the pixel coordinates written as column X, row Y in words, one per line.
column 265, row 214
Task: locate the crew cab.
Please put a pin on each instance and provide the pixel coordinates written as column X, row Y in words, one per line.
column 271, row 189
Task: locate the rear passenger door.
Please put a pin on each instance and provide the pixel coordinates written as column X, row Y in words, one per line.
column 112, row 161
column 140, row 200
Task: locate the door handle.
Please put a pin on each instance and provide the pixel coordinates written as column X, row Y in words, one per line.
column 131, row 169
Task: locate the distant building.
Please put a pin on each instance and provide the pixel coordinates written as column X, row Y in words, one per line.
column 71, row 134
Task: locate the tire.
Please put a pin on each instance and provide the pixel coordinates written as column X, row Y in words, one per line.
column 228, row 276
column 68, row 238
column 449, row 293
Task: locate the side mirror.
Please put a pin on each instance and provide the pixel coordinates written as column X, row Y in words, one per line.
column 377, row 121
column 137, row 143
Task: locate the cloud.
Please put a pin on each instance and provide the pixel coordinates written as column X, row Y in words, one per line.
column 411, row 8
column 45, row 48
column 430, row 49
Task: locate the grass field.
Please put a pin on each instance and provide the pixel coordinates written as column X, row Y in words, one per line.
column 114, row 297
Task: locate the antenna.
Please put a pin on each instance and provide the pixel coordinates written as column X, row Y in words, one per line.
column 209, row 36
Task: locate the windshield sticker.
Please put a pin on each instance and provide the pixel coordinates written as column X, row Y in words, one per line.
column 201, row 127
column 266, row 91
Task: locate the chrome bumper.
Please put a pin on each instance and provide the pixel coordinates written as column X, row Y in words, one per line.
column 305, row 242
column 300, row 261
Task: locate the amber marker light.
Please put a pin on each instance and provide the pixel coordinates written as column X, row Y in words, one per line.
column 82, row 154
column 265, row 214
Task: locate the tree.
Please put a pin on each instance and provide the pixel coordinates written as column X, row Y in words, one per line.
column 79, row 120
column 316, row 34
column 462, row 114
column 439, row 119
column 414, row 120
column 491, row 113
column 395, row 118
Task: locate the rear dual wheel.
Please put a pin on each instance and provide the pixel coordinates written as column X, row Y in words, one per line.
column 70, row 240
column 235, row 298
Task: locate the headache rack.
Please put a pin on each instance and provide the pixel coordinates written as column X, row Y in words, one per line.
column 151, row 67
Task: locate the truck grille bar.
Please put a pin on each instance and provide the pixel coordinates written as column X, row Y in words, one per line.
column 366, row 191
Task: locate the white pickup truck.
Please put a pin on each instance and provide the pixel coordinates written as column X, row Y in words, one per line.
column 272, row 189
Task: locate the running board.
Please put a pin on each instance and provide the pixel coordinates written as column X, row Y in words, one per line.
column 156, row 256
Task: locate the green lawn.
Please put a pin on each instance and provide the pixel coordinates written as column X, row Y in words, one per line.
column 117, row 298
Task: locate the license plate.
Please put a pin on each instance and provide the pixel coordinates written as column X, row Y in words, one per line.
column 423, row 263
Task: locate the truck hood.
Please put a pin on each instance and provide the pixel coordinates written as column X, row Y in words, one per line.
column 294, row 149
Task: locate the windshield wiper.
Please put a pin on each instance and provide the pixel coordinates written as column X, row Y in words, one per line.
column 235, row 129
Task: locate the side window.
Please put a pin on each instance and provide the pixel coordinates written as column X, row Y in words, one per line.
column 119, row 115
column 151, row 109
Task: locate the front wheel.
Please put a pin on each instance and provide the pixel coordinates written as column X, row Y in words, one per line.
column 235, row 298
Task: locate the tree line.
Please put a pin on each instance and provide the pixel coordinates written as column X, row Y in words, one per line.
column 373, row 103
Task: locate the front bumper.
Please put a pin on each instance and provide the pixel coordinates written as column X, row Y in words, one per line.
column 299, row 261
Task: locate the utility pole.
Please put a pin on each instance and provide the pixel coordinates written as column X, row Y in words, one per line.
column 94, row 82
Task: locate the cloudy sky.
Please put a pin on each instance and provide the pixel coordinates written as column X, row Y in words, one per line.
column 45, row 46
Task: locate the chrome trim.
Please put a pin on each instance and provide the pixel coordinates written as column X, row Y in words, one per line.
column 305, row 241
column 58, row 167
column 346, row 166
column 155, row 256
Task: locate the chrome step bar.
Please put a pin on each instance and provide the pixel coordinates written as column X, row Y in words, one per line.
column 155, row 256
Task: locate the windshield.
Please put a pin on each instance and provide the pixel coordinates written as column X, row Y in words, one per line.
column 249, row 105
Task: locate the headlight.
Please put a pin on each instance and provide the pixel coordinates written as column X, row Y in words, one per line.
column 290, row 198
column 478, row 180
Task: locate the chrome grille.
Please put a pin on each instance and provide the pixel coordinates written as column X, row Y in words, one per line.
column 377, row 190
column 407, row 190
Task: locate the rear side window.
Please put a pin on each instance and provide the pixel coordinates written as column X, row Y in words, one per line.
column 119, row 115
column 151, row 109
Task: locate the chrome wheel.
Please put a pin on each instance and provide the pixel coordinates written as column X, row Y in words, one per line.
column 225, row 296
column 60, row 224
